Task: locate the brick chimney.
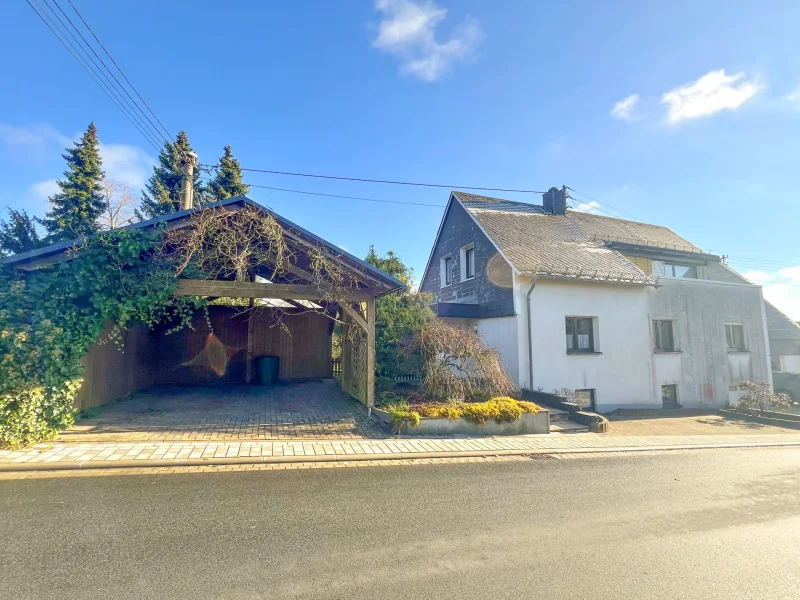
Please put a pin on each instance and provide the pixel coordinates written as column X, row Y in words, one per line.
column 555, row 201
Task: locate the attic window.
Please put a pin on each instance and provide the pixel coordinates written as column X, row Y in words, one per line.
column 678, row 271
column 468, row 262
column 446, row 271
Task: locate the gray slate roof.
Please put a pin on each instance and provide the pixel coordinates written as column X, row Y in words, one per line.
column 779, row 325
column 537, row 242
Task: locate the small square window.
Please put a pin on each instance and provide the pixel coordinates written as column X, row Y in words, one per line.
column 734, row 337
column 664, row 336
column 669, row 396
column 585, row 398
column 580, row 334
column 469, row 262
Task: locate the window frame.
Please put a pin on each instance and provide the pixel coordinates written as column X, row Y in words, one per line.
column 575, row 349
column 447, row 270
column 463, row 269
column 658, row 346
column 671, row 267
column 675, row 403
column 469, row 262
column 728, row 343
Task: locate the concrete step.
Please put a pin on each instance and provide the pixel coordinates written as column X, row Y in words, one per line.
column 557, row 415
column 568, row 427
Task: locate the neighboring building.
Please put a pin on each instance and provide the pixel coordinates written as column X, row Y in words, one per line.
column 784, row 341
column 631, row 315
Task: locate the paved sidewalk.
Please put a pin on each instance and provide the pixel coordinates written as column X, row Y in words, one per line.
column 106, row 455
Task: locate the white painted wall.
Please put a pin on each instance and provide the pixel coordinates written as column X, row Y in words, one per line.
column 501, row 333
column 622, row 372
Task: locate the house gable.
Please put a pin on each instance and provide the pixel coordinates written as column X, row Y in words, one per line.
column 492, row 285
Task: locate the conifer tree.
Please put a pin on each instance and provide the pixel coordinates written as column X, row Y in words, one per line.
column 19, row 233
column 162, row 193
column 228, row 180
column 76, row 207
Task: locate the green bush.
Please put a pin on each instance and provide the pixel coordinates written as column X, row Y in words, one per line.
column 50, row 316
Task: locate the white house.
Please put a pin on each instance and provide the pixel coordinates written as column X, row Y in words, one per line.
column 630, row 315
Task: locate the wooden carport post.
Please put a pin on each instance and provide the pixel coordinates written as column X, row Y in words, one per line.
column 370, row 354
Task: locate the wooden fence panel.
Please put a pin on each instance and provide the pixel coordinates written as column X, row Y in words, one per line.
column 111, row 373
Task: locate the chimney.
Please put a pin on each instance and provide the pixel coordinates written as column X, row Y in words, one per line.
column 187, row 191
column 555, row 201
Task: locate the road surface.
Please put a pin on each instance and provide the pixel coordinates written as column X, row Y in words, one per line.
column 713, row 524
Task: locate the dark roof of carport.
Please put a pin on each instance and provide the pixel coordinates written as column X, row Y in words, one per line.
column 60, row 247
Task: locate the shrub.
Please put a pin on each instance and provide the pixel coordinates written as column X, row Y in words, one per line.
column 760, row 398
column 457, row 363
column 502, row 409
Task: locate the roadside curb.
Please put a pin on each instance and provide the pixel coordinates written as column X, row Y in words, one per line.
column 325, row 458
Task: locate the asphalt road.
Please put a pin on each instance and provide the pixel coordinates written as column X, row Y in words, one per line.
column 709, row 524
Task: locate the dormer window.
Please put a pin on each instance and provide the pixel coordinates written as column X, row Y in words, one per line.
column 678, row 271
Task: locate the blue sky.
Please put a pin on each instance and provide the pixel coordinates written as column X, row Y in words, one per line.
column 684, row 114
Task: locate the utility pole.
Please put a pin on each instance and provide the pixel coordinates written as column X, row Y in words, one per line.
column 187, row 191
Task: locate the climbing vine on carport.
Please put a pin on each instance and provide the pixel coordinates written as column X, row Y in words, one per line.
column 50, row 316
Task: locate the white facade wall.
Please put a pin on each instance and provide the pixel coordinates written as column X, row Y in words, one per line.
column 501, row 333
column 621, row 370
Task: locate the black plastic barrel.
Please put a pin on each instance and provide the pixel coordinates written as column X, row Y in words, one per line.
column 267, row 370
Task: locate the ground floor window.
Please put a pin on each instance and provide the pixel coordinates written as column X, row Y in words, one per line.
column 734, row 336
column 580, row 334
column 669, row 396
column 585, row 398
column 664, row 336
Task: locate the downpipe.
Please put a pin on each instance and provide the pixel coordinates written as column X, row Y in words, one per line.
column 530, row 334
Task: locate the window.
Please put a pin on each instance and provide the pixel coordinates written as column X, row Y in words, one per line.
column 585, row 398
column 669, row 396
column 580, row 334
column 664, row 336
column 469, row 263
column 734, row 336
column 677, row 271
column 446, row 271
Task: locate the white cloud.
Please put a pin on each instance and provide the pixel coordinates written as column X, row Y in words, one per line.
column 36, row 140
column 408, row 31
column 127, row 164
column 40, row 192
column 759, row 277
column 782, row 288
column 587, row 207
column 794, row 97
column 713, row 92
column 624, row 109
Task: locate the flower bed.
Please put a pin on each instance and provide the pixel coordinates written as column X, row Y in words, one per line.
column 500, row 415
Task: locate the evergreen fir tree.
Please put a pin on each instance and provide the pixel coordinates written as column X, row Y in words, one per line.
column 18, row 234
column 228, row 180
column 75, row 209
column 163, row 191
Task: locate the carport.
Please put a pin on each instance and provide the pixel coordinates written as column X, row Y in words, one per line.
column 285, row 310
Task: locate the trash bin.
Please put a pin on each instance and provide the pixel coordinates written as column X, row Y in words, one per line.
column 266, row 370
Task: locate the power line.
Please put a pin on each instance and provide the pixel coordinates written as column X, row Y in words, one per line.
column 359, row 198
column 102, row 62
column 93, row 62
column 119, row 69
column 634, row 217
column 385, row 181
column 51, row 25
